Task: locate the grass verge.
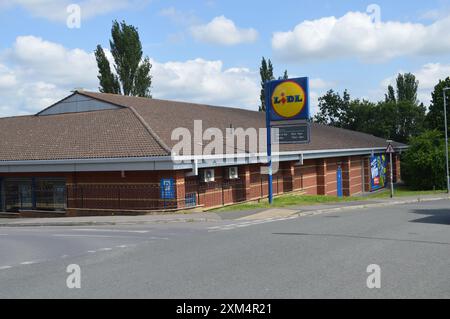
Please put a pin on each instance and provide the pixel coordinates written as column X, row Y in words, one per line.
column 288, row 200
column 307, row 200
column 400, row 191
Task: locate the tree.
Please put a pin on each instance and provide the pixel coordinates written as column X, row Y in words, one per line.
column 423, row 164
column 266, row 73
column 390, row 96
column 361, row 116
column 400, row 116
column 435, row 116
column 333, row 109
column 410, row 119
column 109, row 82
column 133, row 72
column 285, row 76
column 407, row 88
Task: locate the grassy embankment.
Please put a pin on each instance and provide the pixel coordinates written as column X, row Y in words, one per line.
column 303, row 200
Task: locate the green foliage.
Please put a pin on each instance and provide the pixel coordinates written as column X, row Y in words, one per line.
column 133, row 72
column 142, row 80
column 410, row 119
column 407, row 88
column 109, row 83
column 435, row 116
column 423, row 164
column 285, row 76
column 398, row 117
column 266, row 73
column 390, row 96
column 334, row 109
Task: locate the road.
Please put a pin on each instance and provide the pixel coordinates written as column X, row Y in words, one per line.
column 322, row 256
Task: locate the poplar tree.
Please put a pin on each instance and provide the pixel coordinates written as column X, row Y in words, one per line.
column 266, row 72
column 132, row 71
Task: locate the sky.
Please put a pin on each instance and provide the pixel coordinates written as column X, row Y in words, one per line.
column 209, row 51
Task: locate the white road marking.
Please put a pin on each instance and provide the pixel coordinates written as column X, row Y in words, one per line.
column 83, row 236
column 64, row 256
column 92, row 251
column 158, row 238
column 247, row 224
column 122, row 246
column 29, row 262
column 5, row 267
column 105, row 249
column 111, row 230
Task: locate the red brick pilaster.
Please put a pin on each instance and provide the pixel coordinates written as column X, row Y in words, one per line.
column 367, row 174
column 288, row 176
column 246, row 181
column 346, row 166
column 321, row 169
column 180, row 188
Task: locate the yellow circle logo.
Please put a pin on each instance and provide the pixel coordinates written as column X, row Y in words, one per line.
column 288, row 99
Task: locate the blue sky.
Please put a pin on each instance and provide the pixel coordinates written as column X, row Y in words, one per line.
column 209, row 50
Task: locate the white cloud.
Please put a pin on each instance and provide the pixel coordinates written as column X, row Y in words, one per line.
column 318, row 83
column 223, row 31
column 40, row 59
column 428, row 76
column 356, row 35
column 56, row 10
column 7, row 78
column 205, row 81
column 35, row 73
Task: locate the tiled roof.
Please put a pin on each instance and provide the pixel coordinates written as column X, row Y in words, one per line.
column 98, row 134
column 164, row 116
column 142, row 129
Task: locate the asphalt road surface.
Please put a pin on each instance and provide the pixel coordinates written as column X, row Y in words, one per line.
column 323, row 256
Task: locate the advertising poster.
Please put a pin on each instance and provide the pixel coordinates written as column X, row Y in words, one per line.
column 377, row 171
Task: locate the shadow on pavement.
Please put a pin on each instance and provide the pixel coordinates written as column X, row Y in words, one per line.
column 435, row 216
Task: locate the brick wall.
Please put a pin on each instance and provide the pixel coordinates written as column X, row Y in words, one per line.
column 140, row 190
column 306, row 177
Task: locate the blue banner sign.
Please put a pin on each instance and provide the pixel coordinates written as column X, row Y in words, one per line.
column 167, row 188
column 377, row 172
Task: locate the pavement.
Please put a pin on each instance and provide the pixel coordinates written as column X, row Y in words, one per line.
column 319, row 253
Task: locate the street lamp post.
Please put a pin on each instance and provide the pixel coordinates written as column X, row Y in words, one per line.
column 446, row 139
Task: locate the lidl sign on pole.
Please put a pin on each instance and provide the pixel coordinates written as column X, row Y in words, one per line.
column 289, row 99
column 287, row 110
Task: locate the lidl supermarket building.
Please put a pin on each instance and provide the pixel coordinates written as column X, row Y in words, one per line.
column 94, row 153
